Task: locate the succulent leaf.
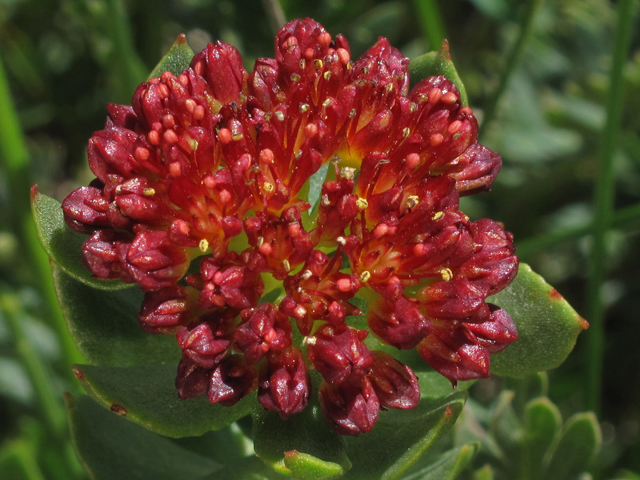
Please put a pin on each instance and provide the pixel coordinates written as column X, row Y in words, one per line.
column 103, row 324
column 146, row 395
column 448, row 466
column 176, row 59
column 400, row 438
column 63, row 245
column 110, row 447
column 547, row 326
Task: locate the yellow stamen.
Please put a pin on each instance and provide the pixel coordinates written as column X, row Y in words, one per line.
column 447, row 274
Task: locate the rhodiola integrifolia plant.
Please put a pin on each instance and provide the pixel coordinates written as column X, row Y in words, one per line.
column 318, row 175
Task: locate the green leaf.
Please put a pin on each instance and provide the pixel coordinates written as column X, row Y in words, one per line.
column 542, row 423
column 249, row 468
column 109, row 447
column 484, row 473
column 547, row 326
column 433, row 385
column 304, row 445
column 176, row 59
column 580, row 441
column 315, row 185
column 226, row 446
column 401, row 437
column 147, row 396
column 449, row 465
column 63, row 245
column 437, row 63
column 506, row 429
column 105, row 328
column 468, row 429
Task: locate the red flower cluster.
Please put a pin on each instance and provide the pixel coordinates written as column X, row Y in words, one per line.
column 210, row 172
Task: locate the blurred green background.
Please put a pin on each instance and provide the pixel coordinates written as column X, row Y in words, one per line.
column 555, row 85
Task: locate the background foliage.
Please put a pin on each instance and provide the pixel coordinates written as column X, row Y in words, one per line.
column 549, row 79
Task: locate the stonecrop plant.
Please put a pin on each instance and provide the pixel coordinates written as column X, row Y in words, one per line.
column 240, row 200
column 297, row 229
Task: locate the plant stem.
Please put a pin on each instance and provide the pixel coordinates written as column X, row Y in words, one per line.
column 14, row 160
column 603, row 206
column 431, row 22
column 22, row 453
column 275, row 13
column 513, row 60
column 623, row 218
column 131, row 67
column 48, row 400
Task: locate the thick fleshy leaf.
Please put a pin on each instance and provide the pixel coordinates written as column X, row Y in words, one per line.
column 506, row 429
column 105, row 328
column 433, row 385
column 484, row 473
column 580, row 441
column 547, row 326
column 450, row 464
column 315, row 185
column 248, row 468
column 63, row 245
column 147, row 395
column 468, row 429
column 304, row 445
column 110, row 447
column 437, row 63
column 542, row 423
column 176, row 59
column 400, row 438
column 227, row 446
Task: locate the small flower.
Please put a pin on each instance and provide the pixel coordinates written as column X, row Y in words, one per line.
column 201, row 197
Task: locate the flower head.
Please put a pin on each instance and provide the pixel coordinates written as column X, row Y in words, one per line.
column 209, row 172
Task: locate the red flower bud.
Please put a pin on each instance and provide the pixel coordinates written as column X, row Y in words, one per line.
column 192, row 380
column 338, row 353
column 85, row 210
column 263, row 329
column 284, row 384
column 154, row 262
column 398, row 323
column 351, row 408
column 104, row 253
column 232, row 380
column 450, row 352
column 163, row 311
column 207, row 343
column 221, row 65
column 496, row 333
column 395, row 384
